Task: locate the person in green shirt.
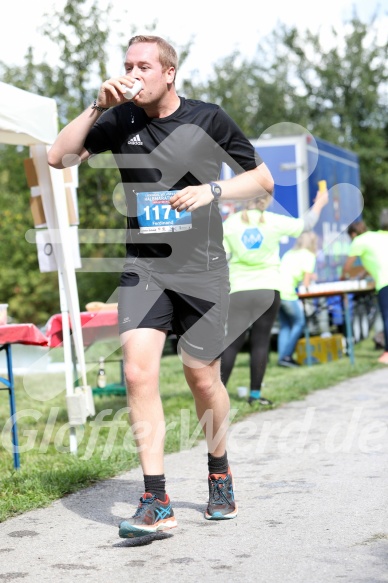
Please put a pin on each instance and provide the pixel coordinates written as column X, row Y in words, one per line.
column 371, row 247
column 297, row 266
column 252, row 243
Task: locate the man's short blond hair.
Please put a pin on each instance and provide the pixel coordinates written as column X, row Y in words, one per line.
column 167, row 54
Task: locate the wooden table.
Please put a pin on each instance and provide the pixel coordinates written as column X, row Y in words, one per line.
column 336, row 288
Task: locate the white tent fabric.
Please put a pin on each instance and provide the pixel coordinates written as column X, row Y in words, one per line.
column 31, row 120
column 26, row 118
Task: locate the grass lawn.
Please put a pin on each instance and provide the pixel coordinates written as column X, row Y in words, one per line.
column 105, row 445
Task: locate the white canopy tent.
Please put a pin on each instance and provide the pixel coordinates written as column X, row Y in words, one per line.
column 31, row 120
column 26, row 118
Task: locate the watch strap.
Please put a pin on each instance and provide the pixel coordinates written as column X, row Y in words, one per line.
column 216, row 190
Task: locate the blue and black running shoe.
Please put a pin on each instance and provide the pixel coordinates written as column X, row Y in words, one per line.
column 151, row 516
column 221, row 504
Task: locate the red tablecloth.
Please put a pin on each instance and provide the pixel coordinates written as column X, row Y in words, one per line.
column 95, row 326
column 17, row 334
column 22, row 334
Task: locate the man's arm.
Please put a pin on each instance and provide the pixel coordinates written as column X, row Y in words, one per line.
column 250, row 184
column 68, row 149
column 347, row 267
column 244, row 186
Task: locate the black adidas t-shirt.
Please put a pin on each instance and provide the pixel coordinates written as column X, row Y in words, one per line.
column 170, row 153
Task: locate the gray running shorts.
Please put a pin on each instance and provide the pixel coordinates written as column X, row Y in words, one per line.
column 193, row 306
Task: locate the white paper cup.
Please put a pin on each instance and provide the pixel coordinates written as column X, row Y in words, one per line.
column 3, row 314
column 242, row 392
column 131, row 92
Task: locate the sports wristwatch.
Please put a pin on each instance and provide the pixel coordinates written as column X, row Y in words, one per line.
column 216, row 190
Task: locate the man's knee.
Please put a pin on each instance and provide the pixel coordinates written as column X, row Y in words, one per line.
column 204, row 384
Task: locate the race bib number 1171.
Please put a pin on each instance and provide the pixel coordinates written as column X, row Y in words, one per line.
column 155, row 215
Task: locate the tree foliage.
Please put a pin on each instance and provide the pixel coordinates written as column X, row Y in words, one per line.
column 345, row 89
column 31, row 295
column 80, row 33
column 339, row 94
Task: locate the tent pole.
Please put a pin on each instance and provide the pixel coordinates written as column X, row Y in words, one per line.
column 67, row 352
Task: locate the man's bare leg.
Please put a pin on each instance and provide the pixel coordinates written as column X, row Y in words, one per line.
column 142, row 350
column 213, row 408
column 211, row 401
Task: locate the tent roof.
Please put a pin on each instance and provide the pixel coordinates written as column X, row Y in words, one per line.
column 26, row 118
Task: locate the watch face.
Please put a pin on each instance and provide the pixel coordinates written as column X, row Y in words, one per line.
column 216, row 190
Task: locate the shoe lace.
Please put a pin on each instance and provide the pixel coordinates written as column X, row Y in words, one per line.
column 218, row 486
column 144, row 503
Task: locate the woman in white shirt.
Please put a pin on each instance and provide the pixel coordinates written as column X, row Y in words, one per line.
column 296, row 267
column 252, row 243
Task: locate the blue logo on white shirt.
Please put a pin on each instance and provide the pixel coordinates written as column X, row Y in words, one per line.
column 252, row 238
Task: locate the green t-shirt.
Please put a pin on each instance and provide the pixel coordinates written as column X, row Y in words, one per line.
column 372, row 249
column 293, row 266
column 254, row 248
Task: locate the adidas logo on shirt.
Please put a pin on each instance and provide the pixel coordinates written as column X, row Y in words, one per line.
column 135, row 141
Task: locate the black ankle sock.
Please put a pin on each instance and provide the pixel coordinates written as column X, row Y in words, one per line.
column 217, row 465
column 156, row 485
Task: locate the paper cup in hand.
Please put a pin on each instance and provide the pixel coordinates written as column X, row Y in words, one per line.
column 130, row 92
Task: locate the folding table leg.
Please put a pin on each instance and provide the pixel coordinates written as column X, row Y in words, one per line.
column 12, row 406
column 349, row 331
column 307, row 336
